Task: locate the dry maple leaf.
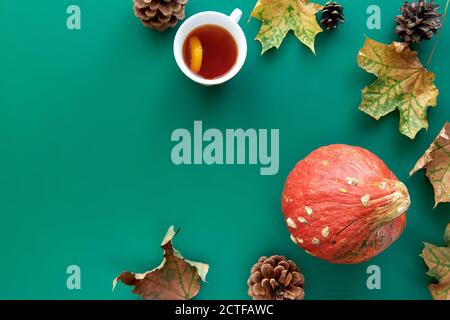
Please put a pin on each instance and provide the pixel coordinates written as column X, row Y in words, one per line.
column 438, row 261
column 403, row 83
column 175, row 278
column 436, row 161
column 278, row 17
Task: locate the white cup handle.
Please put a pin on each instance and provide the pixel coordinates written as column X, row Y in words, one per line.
column 236, row 15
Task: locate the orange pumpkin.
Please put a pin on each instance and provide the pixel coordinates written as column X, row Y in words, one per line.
column 342, row 204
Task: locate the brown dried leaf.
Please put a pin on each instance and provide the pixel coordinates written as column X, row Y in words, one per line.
column 436, row 161
column 176, row 278
column 440, row 291
column 437, row 260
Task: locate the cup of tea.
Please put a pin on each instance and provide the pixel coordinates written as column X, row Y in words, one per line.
column 210, row 47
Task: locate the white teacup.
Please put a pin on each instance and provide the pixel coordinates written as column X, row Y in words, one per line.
column 229, row 23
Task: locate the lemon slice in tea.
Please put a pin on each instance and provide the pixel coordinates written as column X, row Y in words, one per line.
column 196, row 54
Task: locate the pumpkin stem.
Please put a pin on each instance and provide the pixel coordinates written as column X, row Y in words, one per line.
column 393, row 204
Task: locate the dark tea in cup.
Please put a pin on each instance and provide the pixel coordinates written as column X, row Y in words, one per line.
column 210, row 51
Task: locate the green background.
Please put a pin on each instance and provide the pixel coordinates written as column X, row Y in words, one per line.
column 86, row 176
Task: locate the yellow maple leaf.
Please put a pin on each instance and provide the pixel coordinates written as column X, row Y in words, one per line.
column 403, row 83
column 278, row 17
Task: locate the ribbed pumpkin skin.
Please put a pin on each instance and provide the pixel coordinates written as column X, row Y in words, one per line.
column 342, row 204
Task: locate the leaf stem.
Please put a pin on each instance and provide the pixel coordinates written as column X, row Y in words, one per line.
column 439, row 34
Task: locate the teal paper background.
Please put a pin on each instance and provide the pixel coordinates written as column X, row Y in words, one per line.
column 85, row 171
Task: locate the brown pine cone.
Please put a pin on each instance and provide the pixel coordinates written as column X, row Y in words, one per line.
column 332, row 15
column 275, row 278
column 159, row 14
column 419, row 20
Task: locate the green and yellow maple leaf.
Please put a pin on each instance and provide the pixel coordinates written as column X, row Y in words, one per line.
column 436, row 161
column 278, row 17
column 403, row 83
column 437, row 260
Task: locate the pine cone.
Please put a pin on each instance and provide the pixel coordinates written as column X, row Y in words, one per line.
column 159, row 14
column 332, row 15
column 275, row 278
column 418, row 21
